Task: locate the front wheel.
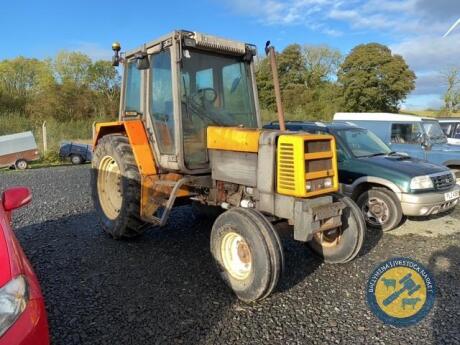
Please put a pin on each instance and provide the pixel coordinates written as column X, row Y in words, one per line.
column 341, row 244
column 247, row 252
column 381, row 209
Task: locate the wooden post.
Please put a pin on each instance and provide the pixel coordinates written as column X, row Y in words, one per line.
column 270, row 51
column 45, row 139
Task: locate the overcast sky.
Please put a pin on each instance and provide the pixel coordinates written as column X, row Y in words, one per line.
column 412, row 28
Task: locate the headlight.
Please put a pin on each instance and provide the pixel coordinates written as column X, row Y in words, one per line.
column 421, row 182
column 328, row 183
column 13, row 301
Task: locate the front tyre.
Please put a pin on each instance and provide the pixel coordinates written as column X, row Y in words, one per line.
column 381, row 209
column 342, row 244
column 115, row 186
column 247, row 252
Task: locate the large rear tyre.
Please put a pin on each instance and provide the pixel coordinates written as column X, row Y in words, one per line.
column 248, row 253
column 115, row 185
column 342, row 244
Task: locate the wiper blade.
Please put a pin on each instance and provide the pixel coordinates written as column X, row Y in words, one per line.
column 376, row 154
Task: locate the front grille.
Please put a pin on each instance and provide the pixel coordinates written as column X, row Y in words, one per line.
column 286, row 178
column 443, row 182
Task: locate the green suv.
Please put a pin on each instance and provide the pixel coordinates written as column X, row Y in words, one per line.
column 386, row 185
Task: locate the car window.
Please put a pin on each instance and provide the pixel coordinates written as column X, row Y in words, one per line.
column 457, row 132
column 406, row 133
column 447, row 128
column 363, row 143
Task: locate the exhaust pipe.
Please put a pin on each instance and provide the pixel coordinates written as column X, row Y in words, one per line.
column 270, row 51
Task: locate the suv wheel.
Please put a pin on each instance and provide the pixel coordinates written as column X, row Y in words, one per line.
column 381, row 209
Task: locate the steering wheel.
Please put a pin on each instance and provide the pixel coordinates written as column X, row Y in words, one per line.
column 207, row 94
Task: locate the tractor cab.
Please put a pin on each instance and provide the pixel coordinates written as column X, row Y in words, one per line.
column 183, row 83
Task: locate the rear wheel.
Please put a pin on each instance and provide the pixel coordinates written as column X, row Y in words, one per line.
column 76, row 159
column 342, row 244
column 115, row 183
column 248, row 253
column 381, row 209
column 21, row 164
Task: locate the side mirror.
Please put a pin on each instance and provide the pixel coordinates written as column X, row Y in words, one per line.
column 16, row 197
column 426, row 142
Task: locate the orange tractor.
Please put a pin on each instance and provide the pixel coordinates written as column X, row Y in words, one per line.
column 189, row 131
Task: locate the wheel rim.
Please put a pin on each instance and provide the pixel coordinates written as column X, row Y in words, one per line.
column 236, row 256
column 22, row 165
column 376, row 211
column 108, row 187
column 328, row 238
column 75, row 159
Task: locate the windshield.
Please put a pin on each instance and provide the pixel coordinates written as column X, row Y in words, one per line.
column 363, row 143
column 216, row 90
column 434, row 132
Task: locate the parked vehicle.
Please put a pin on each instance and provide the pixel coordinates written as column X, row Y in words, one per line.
column 23, row 317
column 192, row 134
column 77, row 153
column 385, row 185
column 419, row 137
column 451, row 128
column 17, row 150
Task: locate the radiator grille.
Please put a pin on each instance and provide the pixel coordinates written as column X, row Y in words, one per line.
column 443, row 182
column 286, row 178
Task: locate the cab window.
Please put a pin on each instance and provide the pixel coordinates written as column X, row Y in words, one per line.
column 406, row 133
column 161, row 101
column 133, row 89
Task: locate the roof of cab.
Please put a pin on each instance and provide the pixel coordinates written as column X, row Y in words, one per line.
column 379, row 117
column 326, row 125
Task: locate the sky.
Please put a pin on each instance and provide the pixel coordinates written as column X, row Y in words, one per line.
column 412, row 28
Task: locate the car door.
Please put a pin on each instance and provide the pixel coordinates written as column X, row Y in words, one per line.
column 406, row 137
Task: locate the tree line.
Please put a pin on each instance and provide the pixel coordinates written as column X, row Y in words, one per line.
column 317, row 81
column 68, row 87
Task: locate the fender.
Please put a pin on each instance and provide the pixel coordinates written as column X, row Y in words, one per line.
column 154, row 186
column 349, row 189
column 451, row 162
column 136, row 133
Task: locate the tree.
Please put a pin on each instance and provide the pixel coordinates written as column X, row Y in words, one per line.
column 72, row 67
column 374, row 79
column 452, row 94
column 321, row 63
column 306, row 79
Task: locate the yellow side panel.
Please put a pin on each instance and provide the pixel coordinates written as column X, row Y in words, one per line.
column 233, row 139
column 291, row 165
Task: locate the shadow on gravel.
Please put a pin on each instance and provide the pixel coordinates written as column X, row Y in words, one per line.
column 445, row 266
column 160, row 288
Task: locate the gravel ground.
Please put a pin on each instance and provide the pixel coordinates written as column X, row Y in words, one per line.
column 162, row 287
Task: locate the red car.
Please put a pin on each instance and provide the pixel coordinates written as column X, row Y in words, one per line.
column 22, row 309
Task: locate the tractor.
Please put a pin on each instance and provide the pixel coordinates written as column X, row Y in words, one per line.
column 190, row 132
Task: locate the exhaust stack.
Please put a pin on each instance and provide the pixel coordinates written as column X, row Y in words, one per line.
column 270, row 51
